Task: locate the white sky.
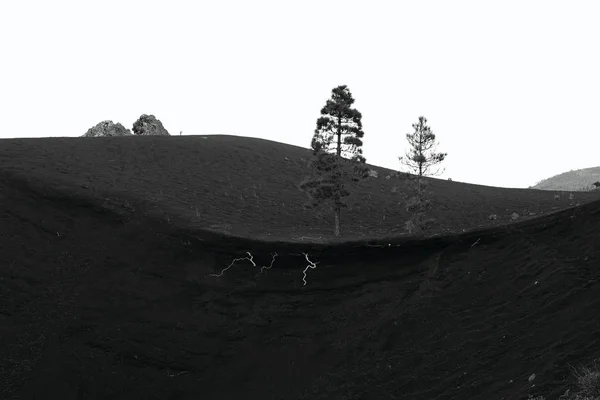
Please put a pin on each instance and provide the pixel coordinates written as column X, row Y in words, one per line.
column 510, row 88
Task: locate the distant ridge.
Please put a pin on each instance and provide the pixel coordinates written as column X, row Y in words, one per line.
column 578, row 180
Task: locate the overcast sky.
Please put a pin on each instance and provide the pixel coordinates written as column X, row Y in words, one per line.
column 510, row 88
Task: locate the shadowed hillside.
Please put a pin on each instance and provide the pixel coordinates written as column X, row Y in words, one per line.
column 107, row 286
column 581, row 179
column 247, row 187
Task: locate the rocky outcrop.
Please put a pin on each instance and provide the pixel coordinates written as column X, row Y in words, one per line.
column 107, row 128
column 148, row 125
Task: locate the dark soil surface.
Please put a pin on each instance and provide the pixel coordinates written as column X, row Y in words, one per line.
column 247, row 187
column 108, row 286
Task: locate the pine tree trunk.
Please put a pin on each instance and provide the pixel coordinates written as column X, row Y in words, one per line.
column 339, row 137
column 337, row 198
column 337, row 220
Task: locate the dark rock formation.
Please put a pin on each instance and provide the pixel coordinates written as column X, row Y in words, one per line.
column 107, row 128
column 148, row 125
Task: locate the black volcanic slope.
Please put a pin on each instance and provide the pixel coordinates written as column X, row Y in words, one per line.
column 107, row 286
column 246, row 187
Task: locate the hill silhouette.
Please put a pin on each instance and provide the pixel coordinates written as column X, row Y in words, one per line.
column 111, row 283
column 581, row 179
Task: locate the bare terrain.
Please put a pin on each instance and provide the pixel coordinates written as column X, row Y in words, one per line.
column 111, row 283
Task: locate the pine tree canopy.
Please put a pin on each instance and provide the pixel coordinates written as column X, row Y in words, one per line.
column 422, row 156
column 340, row 121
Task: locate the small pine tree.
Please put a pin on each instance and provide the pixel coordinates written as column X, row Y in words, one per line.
column 418, row 162
column 337, row 154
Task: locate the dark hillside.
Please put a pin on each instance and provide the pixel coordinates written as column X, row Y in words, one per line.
column 247, row 187
column 98, row 308
column 581, row 179
column 103, row 299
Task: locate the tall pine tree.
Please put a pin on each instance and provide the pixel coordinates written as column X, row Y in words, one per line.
column 337, row 151
column 419, row 159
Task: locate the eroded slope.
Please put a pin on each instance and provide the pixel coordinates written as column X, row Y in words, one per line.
column 103, row 306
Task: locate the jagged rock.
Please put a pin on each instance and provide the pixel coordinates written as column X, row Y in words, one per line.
column 107, row 128
column 148, row 125
column 493, row 217
column 514, row 216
